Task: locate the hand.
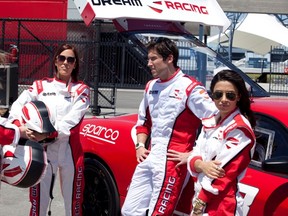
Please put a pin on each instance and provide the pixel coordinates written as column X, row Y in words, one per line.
column 22, row 130
column 211, row 169
column 178, row 156
column 193, row 214
column 35, row 136
column 141, row 154
column 198, row 207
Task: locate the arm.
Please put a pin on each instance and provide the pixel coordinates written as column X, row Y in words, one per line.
column 10, row 133
column 234, row 160
column 25, row 97
column 141, row 151
column 180, row 157
column 143, row 129
column 202, row 106
column 197, row 165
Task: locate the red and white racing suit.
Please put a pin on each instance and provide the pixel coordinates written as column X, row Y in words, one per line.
column 9, row 133
column 69, row 104
column 170, row 112
column 232, row 142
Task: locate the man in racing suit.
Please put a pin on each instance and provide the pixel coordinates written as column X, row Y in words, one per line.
column 170, row 113
column 68, row 100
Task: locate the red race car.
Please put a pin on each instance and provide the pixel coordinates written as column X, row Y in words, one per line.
column 110, row 162
column 108, row 143
column 110, row 154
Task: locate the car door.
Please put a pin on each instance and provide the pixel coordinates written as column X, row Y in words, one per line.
column 265, row 186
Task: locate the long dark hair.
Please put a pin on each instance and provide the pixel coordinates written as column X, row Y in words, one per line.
column 60, row 49
column 244, row 103
column 165, row 47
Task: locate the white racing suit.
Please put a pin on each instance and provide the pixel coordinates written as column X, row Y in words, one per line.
column 171, row 112
column 69, row 105
column 232, row 142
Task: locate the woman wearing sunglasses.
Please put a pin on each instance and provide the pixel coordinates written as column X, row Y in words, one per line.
column 223, row 152
column 68, row 100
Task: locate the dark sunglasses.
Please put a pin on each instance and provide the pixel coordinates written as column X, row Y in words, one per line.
column 70, row 59
column 229, row 95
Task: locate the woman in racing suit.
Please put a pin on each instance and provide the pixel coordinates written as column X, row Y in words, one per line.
column 68, row 100
column 223, row 150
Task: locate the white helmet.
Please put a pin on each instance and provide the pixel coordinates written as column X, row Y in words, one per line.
column 23, row 165
column 37, row 117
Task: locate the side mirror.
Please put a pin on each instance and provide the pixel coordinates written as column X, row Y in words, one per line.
column 277, row 165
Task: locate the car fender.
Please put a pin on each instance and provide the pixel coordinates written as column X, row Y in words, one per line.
column 112, row 140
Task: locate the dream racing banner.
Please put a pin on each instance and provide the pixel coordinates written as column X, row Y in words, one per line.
column 206, row 12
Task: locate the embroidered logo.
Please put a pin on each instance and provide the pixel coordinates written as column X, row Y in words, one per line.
column 153, row 92
column 176, row 94
column 49, row 93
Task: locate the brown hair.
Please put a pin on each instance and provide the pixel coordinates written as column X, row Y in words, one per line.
column 165, row 47
column 244, row 102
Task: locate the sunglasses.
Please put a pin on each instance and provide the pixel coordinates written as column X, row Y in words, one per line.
column 62, row 58
column 229, row 95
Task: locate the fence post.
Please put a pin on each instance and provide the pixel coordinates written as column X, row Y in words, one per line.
column 95, row 108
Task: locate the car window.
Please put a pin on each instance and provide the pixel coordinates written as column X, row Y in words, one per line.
column 271, row 139
column 264, row 144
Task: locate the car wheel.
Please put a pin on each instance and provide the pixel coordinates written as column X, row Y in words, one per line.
column 100, row 195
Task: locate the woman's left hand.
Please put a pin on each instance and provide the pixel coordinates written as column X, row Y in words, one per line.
column 178, row 156
column 35, row 136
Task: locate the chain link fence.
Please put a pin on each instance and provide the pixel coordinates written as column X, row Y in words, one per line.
column 278, row 76
column 107, row 59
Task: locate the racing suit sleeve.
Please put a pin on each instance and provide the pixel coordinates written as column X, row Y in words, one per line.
column 77, row 112
column 202, row 105
column 25, row 97
column 144, row 123
column 10, row 133
column 235, row 155
column 195, row 154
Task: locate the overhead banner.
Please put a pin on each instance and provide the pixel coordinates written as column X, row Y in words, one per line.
column 206, row 12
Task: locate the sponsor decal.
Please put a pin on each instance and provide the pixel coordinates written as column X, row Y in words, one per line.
column 158, row 6
column 12, row 172
column 100, row 132
column 79, row 178
column 249, row 194
column 49, row 93
column 176, row 5
column 167, row 194
column 153, row 92
column 176, row 94
column 34, row 194
column 116, row 2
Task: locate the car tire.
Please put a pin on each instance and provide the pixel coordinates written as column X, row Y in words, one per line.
column 100, row 195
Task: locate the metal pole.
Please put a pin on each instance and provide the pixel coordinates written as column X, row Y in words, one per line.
column 95, row 108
